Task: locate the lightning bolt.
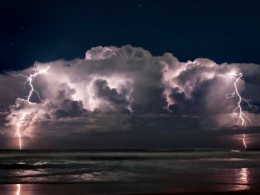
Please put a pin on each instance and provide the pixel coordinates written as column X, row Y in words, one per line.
column 238, row 113
column 18, row 129
column 244, row 140
column 29, row 79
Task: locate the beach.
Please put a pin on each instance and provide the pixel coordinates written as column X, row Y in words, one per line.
column 80, row 189
column 129, row 172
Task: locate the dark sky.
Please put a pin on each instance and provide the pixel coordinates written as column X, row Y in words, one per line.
column 125, row 80
column 45, row 30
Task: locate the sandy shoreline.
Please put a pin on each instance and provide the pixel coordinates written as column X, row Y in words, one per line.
column 241, row 192
column 80, row 189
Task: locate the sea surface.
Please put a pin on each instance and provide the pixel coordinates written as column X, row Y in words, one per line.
column 129, row 172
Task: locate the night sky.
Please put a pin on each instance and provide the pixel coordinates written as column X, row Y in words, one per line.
column 46, row 30
column 129, row 74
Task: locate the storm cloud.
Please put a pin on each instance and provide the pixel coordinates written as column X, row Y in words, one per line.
column 127, row 88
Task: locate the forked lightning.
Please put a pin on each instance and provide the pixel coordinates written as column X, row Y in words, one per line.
column 29, row 79
column 238, row 113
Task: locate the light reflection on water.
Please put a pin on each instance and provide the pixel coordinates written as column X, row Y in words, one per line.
column 215, row 180
column 244, row 173
column 180, row 172
column 18, row 191
column 241, row 180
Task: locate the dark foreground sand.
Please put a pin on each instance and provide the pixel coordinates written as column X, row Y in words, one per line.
column 241, row 192
column 106, row 189
column 253, row 191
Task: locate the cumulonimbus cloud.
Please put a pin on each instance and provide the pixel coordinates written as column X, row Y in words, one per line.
column 116, row 88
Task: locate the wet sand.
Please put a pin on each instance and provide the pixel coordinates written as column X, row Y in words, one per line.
column 242, row 192
column 124, row 189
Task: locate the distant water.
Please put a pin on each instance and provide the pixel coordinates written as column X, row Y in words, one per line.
column 135, row 171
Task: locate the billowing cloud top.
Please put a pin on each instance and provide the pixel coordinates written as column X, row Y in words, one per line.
column 128, row 89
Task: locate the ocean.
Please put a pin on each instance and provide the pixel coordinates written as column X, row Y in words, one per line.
column 128, row 172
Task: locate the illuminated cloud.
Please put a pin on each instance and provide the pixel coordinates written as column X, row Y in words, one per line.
column 128, row 89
